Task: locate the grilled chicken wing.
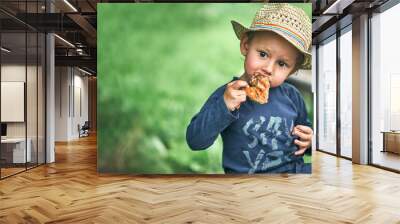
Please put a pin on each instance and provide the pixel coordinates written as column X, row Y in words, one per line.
column 258, row 88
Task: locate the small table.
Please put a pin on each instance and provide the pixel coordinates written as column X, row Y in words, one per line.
column 391, row 141
column 18, row 150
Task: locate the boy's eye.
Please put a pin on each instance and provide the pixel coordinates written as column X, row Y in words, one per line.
column 263, row 54
column 282, row 64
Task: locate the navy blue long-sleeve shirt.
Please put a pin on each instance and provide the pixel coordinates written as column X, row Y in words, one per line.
column 256, row 137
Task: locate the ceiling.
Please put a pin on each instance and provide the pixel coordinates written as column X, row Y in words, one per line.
column 76, row 22
column 329, row 16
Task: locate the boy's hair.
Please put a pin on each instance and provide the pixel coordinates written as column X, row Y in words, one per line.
column 299, row 59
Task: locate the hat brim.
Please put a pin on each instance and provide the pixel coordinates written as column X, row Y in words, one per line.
column 240, row 30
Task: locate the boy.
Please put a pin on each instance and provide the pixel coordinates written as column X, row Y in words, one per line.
column 262, row 138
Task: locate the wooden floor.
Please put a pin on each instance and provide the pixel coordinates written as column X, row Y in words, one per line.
column 10, row 171
column 71, row 191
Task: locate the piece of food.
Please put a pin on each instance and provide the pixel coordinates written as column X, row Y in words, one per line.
column 258, row 88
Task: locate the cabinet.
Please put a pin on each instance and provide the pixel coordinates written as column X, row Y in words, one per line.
column 391, row 141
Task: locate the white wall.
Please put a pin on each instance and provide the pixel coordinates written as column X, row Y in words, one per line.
column 81, row 100
column 71, row 93
column 62, row 81
column 12, row 73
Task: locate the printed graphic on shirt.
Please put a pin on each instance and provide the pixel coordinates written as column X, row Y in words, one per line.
column 269, row 142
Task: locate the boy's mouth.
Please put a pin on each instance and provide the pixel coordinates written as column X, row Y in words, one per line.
column 258, row 87
column 262, row 73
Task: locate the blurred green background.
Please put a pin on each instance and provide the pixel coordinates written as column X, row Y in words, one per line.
column 157, row 65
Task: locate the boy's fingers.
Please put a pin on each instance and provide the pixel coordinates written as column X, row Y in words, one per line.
column 238, row 92
column 301, row 143
column 304, row 129
column 239, row 84
column 300, row 152
column 240, row 99
column 302, row 135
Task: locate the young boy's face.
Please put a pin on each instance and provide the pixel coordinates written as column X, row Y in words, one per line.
column 269, row 54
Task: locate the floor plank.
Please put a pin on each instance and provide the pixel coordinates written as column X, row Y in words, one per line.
column 71, row 191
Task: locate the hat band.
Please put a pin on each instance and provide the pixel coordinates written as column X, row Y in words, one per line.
column 292, row 34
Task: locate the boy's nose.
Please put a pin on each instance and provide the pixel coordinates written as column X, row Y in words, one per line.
column 268, row 67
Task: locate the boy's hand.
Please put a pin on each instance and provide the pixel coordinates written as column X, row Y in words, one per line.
column 305, row 136
column 234, row 94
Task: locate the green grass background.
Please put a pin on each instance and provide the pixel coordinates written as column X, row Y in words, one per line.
column 157, row 65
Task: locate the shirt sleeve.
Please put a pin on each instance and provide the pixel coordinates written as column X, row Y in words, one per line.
column 212, row 119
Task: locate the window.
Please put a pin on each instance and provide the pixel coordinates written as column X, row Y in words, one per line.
column 327, row 95
column 385, row 88
column 346, row 92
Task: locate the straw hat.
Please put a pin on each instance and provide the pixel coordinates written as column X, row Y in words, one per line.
column 289, row 22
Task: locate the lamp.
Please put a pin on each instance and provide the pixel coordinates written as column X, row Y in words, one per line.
column 71, row 6
column 64, row 40
column 5, row 50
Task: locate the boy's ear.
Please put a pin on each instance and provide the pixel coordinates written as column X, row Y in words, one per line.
column 244, row 45
column 299, row 60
